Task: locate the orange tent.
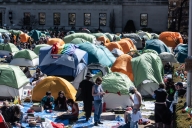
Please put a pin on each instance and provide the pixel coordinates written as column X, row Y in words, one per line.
column 113, row 45
column 52, row 41
column 171, row 39
column 24, row 37
column 127, row 45
column 123, row 65
column 103, row 39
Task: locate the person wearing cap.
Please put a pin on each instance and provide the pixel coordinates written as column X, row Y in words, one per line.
column 47, row 101
column 137, row 98
column 86, row 92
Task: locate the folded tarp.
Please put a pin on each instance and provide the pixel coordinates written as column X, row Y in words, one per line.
column 148, row 66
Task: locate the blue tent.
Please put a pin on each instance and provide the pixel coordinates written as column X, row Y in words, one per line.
column 97, row 54
column 63, row 65
column 35, row 34
column 157, row 45
column 182, row 52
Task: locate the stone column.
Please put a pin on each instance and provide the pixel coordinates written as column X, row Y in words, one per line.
column 189, row 75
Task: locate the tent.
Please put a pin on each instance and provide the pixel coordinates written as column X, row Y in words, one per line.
column 7, row 48
column 147, row 66
column 25, row 57
column 78, row 41
column 97, row 54
column 157, row 45
column 63, row 65
column 145, row 35
column 52, row 41
column 3, row 30
column 123, row 65
column 103, row 39
column 113, row 45
column 35, row 34
column 147, row 88
column 154, row 36
column 85, row 36
column 94, row 69
column 171, row 39
column 136, row 38
column 12, row 81
column 15, row 32
column 181, row 53
column 167, row 57
column 53, row 84
column 117, row 52
column 112, row 36
column 127, row 45
column 24, row 37
column 97, row 35
column 116, row 85
column 37, row 48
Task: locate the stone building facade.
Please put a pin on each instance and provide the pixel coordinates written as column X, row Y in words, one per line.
column 90, row 14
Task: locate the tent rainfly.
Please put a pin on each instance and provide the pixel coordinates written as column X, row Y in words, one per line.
column 7, row 48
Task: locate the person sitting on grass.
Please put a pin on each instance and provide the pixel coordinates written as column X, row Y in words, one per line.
column 74, row 113
column 47, row 101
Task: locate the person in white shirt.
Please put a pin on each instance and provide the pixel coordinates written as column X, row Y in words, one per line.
column 135, row 117
column 137, row 98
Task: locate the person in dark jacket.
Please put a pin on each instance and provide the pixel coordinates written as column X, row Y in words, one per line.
column 170, row 89
column 181, row 89
column 47, row 101
column 86, row 92
column 12, row 115
column 60, row 103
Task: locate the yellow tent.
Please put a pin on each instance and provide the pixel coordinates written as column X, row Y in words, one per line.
column 53, row 84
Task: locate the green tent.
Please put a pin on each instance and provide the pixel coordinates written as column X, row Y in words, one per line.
column 15, row 32
column 150, row 51
column 111, row 36
column 37, row 48
column 35, row 34
column 9, row 47
column 25, row 53
column 3, row 31
column 147, row 66
column 97, row 35
column 117, row 83
column 85, row 36
column 78, row 41
column 97, row 54
column 12, row 76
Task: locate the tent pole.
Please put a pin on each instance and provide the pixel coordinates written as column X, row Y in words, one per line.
column 189, row 75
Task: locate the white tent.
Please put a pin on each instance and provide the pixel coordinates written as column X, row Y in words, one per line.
column 147, row 88
column 12, row 81
column 90, row 68
column 115, row 101
column 25, row 58
column 25, row 62
column 117, row 52
column 167, row 57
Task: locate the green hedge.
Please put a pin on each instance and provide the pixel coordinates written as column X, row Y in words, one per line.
column 183, row 120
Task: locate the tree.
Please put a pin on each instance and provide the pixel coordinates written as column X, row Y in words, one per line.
column 129, row 27
column 29, row 22
column 112, row 23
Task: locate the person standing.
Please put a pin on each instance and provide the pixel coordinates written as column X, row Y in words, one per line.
column 86, row 92
column 161, row 114
column 98, row 93
column 137, row 98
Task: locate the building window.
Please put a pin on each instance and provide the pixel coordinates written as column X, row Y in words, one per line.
column 144, row 20
column 26, row 18
column 42, row 18
column 56, row 18
column 87, row 19
column 72, row 19
column 102, row 19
